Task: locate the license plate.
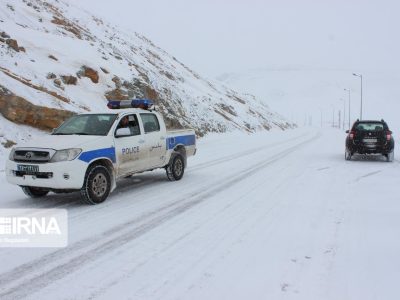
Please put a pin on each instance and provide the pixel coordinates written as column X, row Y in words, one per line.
column 28, row 168
column 369, row 141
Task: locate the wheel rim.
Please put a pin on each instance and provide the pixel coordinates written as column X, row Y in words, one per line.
column 178, row 167
column 99, row 185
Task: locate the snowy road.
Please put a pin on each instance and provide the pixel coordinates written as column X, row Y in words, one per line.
column 265, row 216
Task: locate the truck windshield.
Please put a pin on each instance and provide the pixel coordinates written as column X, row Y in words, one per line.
column 93, row 124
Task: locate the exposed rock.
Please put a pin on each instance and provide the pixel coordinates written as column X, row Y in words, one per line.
column 67, row 26
column 16, row 109
column 228, row 108
column 117, row 82
column 90, row 73
column 151, row 93
column 53, row 57
column 117, row 94
column 51, row 76
column 57, row 83
column 105, row 71
column 168, row 75
column 69, row 79
column 4, row 35
column 13, row 44
column 8, row 144
column 31, row 85
column 2, row 40
column 22, row 49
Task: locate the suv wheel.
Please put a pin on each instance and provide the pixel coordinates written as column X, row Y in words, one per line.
column 97, row 185
column 347, row 155
column 390, row 157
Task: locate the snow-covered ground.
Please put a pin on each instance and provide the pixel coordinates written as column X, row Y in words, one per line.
column 277, row 215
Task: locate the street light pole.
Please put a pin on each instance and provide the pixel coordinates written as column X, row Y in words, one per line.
column 348, row 90
column 361, row 109
column 344, row 112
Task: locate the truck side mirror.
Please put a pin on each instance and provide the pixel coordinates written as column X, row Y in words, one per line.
column 347, row 131
column 121, row 132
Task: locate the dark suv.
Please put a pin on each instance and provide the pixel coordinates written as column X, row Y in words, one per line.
column 370, row 137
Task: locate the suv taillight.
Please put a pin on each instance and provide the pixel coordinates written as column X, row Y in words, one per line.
column 388, row 135
column 352, row 134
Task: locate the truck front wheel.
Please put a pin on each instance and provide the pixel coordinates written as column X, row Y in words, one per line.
column 34, row 192
column 176, row 168
column 97, row 185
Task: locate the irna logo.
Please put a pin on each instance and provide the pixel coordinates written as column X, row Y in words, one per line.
column 33, row 228
column 29, row 225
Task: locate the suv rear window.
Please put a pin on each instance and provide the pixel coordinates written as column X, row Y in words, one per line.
column 370, row 126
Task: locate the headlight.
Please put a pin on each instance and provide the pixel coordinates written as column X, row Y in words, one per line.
column 11, row 156
column 64, row 155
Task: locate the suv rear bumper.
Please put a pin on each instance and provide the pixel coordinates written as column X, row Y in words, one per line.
column 362, row 148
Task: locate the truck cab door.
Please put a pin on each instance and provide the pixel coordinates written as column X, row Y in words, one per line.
column 129, row 146
column 154, row 132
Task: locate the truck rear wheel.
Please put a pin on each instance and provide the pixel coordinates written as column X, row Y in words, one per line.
column 176, row 168
column 97, row 185
column 34, row 192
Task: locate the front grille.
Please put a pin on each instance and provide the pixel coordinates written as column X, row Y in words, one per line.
column 42, row 175
column 33, row 155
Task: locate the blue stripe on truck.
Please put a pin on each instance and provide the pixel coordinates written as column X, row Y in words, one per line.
column 88, row 156
column 186, row 140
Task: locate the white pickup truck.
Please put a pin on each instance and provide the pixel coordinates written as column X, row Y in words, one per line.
column 89, row 152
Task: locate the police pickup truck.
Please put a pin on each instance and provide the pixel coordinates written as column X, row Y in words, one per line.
column 90, row 152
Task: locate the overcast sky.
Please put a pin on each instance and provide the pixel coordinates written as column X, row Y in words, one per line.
column 215, row 37
column 336, row 37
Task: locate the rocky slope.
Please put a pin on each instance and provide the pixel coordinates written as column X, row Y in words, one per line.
column 56, row 60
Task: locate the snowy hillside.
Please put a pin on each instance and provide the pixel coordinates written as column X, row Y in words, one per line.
column 56, row 59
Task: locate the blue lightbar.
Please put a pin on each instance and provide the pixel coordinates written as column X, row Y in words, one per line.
column 136, row 103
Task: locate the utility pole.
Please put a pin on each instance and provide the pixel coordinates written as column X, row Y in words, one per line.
column 340, row 113
column 361, row 106
column 344, row 111
column 348, row 90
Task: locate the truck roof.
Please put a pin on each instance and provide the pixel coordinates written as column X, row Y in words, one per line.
column 117, row 111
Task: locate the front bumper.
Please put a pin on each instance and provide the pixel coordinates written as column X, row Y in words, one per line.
column 60, row 175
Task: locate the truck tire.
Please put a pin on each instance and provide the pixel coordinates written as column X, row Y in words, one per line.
column 176, row 167
column 34, row 192
column 97, row 185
